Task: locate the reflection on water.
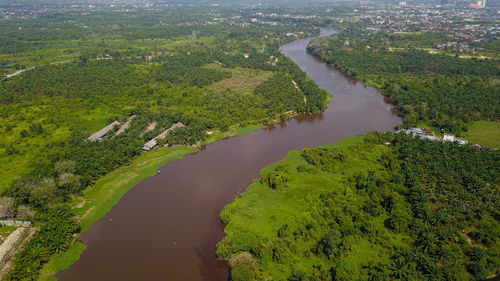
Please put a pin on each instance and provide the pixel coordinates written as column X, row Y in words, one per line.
column 167, row 227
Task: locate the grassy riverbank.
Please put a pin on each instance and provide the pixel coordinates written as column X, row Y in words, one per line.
column 106, row 193
column 378, row 207
column 98, row 199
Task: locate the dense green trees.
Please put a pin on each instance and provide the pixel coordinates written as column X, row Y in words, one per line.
column 164, row 67
column 88, row 80
column 54, row 236
column 443, row 91
column 410, row 210
column 276, row 179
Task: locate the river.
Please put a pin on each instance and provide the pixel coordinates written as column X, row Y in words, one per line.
column 167, row 227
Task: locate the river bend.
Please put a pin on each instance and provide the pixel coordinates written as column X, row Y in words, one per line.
column 167, row 227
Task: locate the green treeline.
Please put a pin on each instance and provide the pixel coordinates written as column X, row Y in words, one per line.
column 66, row 169
column 186, row 69
column 379, row 207
column 442, row 91
column 151, row 66
column 86, row 79
column 54, row 236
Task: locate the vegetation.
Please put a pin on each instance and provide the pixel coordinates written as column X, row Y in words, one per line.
column 5, row 231
column 51, row 102
column 161, row 67
column 54, row 236
column 379, row 207
column 485, row 133
column 442, row 91
column 98, row 199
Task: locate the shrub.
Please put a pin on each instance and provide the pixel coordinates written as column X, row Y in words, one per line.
column 278, row 178
column 326, row 157
column 331, row 241
column 242, row 272
column 244, row 267
column 475, row 253
column 477, row 270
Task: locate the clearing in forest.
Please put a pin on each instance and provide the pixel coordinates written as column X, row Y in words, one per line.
column 486, row 133
column 242, row 80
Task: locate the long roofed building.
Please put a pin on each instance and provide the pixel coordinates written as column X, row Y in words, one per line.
column 102, row 132
column 152, row 143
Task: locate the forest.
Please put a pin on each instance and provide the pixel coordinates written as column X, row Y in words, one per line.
column 383, row 206
column 113, row 66
column 438, row 90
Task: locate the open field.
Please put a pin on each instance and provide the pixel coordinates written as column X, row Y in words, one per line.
column 242, row 80
column 5, row 231
column 485, row 133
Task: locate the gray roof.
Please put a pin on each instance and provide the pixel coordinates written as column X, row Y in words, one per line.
column 101, row 133
column 152, row 143
column 125, row 126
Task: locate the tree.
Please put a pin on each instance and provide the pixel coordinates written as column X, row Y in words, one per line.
column 43, row 193
column 477, row 270
column 66, row 166
column 243, row 267
column 331, row 241
column 69, row 182
column 242, row 272
column 7, row 207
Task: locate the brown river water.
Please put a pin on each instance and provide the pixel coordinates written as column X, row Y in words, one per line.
column 167, row 227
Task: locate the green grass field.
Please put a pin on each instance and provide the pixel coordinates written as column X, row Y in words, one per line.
column 5, row 230
column 485, row 133
column 242, row 80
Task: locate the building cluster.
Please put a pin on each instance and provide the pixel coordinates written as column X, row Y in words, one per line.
column 28, row 10
column 116, row 128
column 153, row 142
column 480, row 4
column 464, row 27
column 423, row 133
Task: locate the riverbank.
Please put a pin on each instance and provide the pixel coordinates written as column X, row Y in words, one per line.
column 100, row 198
column 347, row 211
column 482, row 132
column 177, row 200
column 426, row 89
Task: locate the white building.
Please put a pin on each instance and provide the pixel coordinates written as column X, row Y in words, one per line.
column 452, row 138
column 449, row 137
